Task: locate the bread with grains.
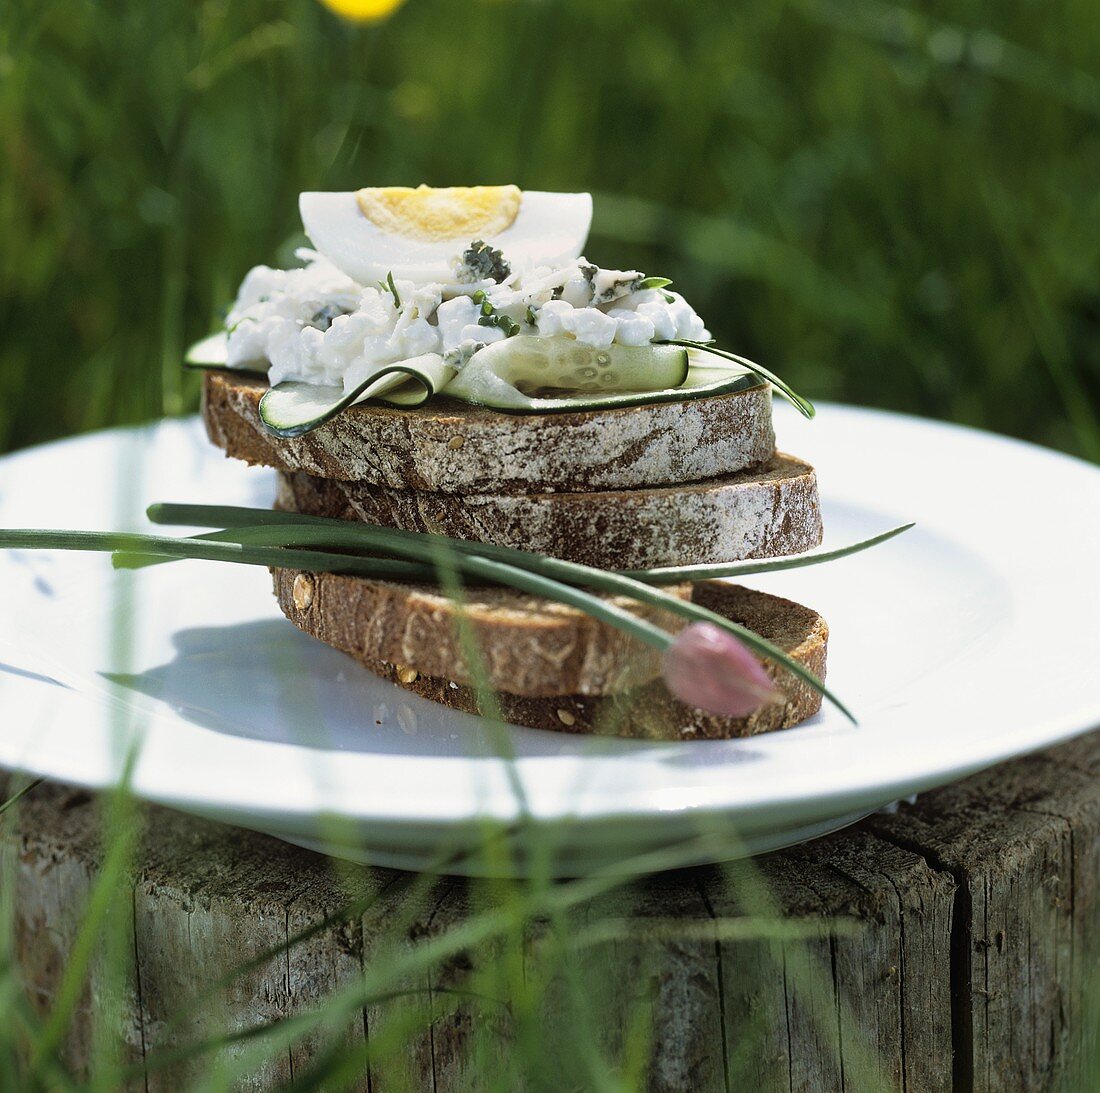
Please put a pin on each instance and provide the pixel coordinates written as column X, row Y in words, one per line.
column 542, row 649
column 448, row 446
column 763, row 513
column 523, row 643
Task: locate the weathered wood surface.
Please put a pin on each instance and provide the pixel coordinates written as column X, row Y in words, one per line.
column 965, row 937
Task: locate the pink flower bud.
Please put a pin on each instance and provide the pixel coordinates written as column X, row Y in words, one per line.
column 707, row 667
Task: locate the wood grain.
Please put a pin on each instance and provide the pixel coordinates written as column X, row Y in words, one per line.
column 954, row 944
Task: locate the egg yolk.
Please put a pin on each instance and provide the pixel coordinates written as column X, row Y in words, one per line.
column 435, row 215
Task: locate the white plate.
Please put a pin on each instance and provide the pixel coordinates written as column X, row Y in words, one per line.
column 971, row 639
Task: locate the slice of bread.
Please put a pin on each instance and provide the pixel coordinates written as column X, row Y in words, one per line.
column 558, row 639
column 759, row 513
column 452, row 447
column 526, row 644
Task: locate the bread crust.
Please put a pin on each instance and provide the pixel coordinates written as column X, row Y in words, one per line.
column 762, row 513
column 511, row 628
column 451, row 447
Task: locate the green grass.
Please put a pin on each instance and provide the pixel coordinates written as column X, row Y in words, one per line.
column 886, row 205
column 534, row 964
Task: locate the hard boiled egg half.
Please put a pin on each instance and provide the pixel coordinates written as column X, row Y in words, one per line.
column 420, row 234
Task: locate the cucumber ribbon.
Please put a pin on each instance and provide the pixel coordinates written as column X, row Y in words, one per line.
column 527, row 374
column 292, row 408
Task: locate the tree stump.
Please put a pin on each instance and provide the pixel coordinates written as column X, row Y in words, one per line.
column 957, row 948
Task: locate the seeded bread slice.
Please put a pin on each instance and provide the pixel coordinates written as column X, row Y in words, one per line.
column 645, row 710
column 451, row 447
column 759, row 513
column 526, row 644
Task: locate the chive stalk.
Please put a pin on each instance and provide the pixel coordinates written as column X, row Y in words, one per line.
column 233, row 516
column 479, row 559
column 276, row 539
column 709, row 572
column 802, row 405
column 132, row 551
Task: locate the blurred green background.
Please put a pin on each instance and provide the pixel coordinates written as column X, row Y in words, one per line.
column 888, row 204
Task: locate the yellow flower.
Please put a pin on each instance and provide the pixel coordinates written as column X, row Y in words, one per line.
column 363, row 11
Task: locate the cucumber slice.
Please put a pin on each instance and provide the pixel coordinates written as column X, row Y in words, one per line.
column 291, row 408
column 532, row 364
column 509, row 376
column 212, row 352
column 530, row 373
column 700, row 383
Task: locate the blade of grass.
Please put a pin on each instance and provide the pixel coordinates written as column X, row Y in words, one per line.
column 26, row 1025
column 410, row 887
column 111, row 874
column 378, row 982
column 487, row 704
column 16, row 797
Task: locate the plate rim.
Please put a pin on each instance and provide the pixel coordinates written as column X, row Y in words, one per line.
column 928, row 772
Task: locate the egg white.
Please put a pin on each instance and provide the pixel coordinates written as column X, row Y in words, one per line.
column 550, row 229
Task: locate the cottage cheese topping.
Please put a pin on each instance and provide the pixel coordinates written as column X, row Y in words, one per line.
column 315, row 324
